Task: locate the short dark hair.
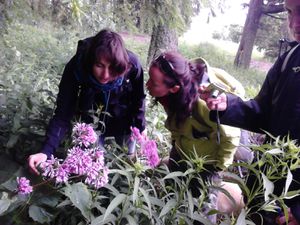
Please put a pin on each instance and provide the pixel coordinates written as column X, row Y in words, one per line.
column 109, row 45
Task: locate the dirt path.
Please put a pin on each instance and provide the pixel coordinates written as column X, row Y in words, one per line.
column 260, row 65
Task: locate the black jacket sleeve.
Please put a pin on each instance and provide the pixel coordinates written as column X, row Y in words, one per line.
column 138, row 100
column 65, row 108
column 253, row 114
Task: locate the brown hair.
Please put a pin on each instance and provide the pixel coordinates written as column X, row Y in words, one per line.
column 109, row 45
column 180, row 103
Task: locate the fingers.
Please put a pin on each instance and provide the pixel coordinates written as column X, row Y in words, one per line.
column 202, row 90
column 32, row 165
column 35, row 160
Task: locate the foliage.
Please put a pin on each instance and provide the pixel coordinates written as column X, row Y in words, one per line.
column 31, row 63
column 139, row 194
column 269, row 33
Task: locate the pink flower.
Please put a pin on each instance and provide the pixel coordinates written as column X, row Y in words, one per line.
column 24, row 187
column 84, row 135
column 135, row 134
column 81, row 160
column 148, row 148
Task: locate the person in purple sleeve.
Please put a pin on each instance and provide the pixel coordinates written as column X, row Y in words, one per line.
column 102, row 75
column 276, row 108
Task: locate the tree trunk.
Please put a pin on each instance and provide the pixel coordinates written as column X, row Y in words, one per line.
column 243, row 55
column 162, row 39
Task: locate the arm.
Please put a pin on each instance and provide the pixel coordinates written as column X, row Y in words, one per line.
column 252, row 115
column 65, row 109
column 138, row 95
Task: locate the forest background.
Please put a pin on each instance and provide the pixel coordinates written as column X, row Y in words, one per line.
column 38, row 37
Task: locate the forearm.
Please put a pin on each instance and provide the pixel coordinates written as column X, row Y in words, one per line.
column 243, row 114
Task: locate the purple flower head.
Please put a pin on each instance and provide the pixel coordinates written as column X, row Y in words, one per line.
column 136, row 135
column 24, row 187
column 149, row 150
column 84, row 135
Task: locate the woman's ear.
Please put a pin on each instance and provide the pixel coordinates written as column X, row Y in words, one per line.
column 174, row 89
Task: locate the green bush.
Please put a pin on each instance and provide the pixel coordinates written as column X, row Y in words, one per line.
column 33, row 60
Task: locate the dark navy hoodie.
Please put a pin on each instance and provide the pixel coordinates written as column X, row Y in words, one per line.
column 122, row 100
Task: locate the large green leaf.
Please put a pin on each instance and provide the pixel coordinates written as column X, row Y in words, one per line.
column 135, row 189
column 114, row 204
column 146, row 196
column 168, row 207
column 4, row 205
column 131, row 220
column 39, row 214
column 80, row 197
column 101, row 220
column 173, row 175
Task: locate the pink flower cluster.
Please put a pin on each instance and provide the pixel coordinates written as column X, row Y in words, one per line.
column 23, row 185
column 80, row 161
column 148, row 148
column 88, row 163
column 84, row 135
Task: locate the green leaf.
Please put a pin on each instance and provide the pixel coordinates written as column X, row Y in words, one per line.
column 268, row 186
column 101, row 220
column 173, row 175
column 39, row 214
column 190, row 202
column 275, row 151
column 168, row 207
column 114, row 204
column 131, row 220
column 114, row 190
column 4, row 205
column 201, row 218
column 146, row 196
column 135, row 189
column 80, row 197
column 241, row 220
column 288, row 181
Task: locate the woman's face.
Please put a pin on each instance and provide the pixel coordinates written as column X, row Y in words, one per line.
column 155, row 85
column 102, row 71
column 293, row 9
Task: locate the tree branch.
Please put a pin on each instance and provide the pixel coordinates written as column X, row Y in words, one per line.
column 272, row 8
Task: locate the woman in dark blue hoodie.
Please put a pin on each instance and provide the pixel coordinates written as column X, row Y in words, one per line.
column 102, row 76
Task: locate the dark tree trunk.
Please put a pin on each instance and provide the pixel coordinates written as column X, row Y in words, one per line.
column 243, row 56
column 162, row 39
column 257, row 9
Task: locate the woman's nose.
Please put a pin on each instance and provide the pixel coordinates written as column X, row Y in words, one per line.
column 106, row 73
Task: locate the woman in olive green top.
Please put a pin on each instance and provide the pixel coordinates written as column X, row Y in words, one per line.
column 174, row 82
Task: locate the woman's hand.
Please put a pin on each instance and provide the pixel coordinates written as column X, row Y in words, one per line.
column 35, row 160
column 219, row 103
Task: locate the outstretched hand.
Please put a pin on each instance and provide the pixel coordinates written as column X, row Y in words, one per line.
column 35, row 160
column 218, row 103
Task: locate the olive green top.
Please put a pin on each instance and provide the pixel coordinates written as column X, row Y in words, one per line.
column 198, row 133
